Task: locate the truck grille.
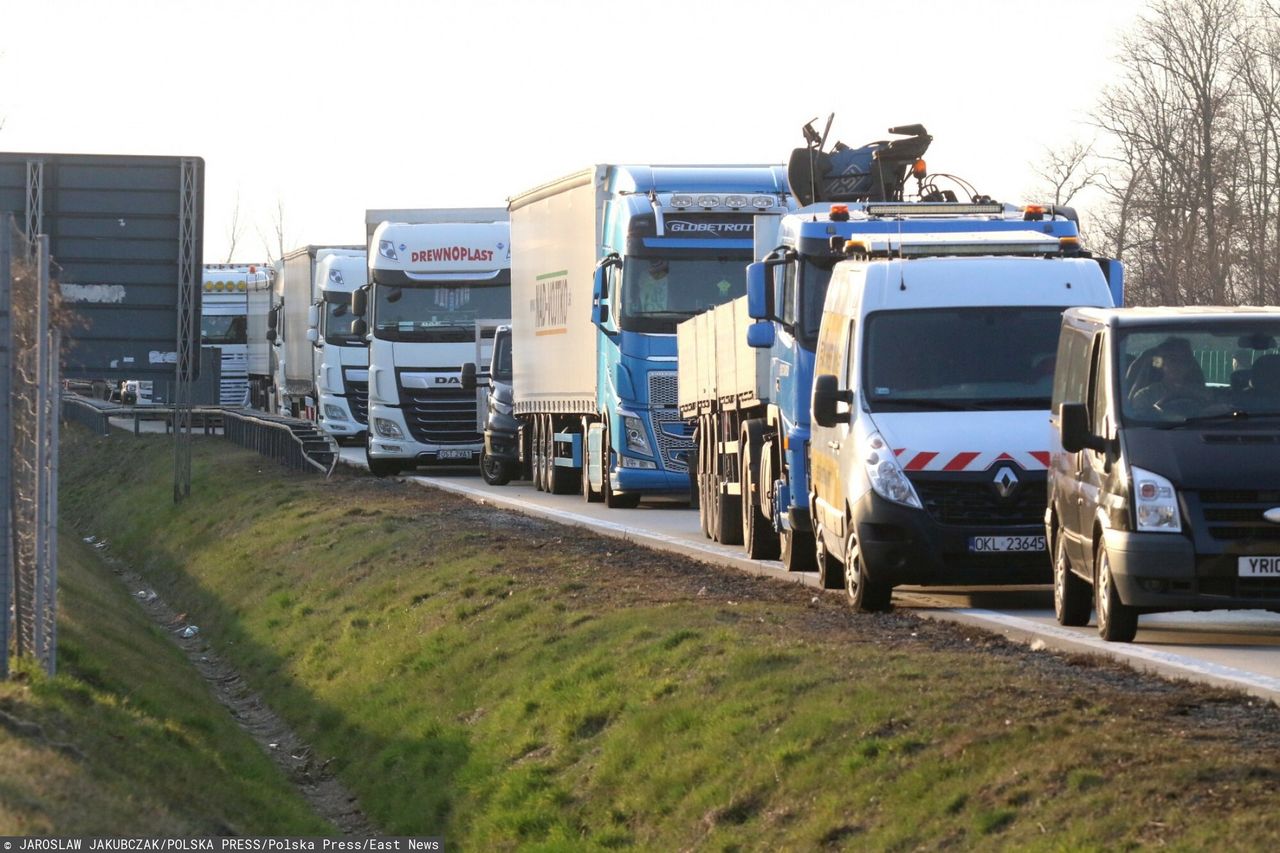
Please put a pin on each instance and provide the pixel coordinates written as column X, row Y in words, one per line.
column 1236, row 514
column 675, row 438
column 662, row 389
column 358, row 400
column 974, row 503
column 440, row 416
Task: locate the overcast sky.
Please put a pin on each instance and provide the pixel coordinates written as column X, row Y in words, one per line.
column 329, row 108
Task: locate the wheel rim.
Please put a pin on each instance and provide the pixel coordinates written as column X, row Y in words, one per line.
column 748, row 504
column 1059, row 580
column 852, row 573
column 1104, row 589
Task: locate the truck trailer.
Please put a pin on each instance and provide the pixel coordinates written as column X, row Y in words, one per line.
column 605, row 263
column 437, row 293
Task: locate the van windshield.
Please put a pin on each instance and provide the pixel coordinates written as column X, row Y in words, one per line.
column 944, row 359
column 1179, row 373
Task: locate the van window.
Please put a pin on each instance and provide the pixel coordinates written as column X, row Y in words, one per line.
column 1176, row 372
column 1072, row 368
column 1098, row 387
column 960, row 358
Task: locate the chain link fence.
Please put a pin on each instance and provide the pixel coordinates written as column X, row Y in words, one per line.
column 29, row 409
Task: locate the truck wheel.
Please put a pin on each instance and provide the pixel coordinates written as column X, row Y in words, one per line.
column 1072, row 598
column 728, row 519
column 830, row 570
column 612, row 499
column 1117, row 621
column 704, row 497
column 494, row 471
column 535, row 451
column 758, row 536
column 797, row 550
column 866, row 595
column 589, row 494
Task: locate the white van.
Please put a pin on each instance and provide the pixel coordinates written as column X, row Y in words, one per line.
column 931, row 434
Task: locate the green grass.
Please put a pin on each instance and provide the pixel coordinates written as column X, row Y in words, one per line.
column 506, row 694
column 130, row 739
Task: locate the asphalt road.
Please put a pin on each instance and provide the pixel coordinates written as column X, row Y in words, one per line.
column 1238, row 649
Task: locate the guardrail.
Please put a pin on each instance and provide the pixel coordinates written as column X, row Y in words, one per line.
column 276, row 439
column 89, row 413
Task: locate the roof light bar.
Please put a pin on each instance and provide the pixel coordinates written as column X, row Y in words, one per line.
column 932, row 208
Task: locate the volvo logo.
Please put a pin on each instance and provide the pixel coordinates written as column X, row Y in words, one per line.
column 1006, row 482
column 1272, row 515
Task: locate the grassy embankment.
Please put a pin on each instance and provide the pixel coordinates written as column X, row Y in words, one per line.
column 127, row 739
column 500, row 683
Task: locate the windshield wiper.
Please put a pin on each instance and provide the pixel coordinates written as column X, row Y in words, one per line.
column 1234, row 415
column 916, row 403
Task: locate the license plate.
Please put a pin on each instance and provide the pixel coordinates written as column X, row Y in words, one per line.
column 995, row 544
column 1259, row 567
column 454, row 454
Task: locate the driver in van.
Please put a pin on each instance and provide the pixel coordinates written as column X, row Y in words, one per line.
column 1180, row 376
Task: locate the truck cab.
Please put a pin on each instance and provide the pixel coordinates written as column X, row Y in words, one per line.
column 224, row 324
column 931, row 442
column 1163, row 484
column 437, row 292
column 342, row 362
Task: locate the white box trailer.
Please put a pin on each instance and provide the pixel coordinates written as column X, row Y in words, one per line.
column 557, row 229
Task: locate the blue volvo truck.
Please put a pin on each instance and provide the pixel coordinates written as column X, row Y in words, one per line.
column 604, row 263
column 746, row 370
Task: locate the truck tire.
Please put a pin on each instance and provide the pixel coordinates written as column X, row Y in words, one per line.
column 612, row 499
column 865, row 595
column 796, row 550
column 704, row 497
column 1072, row 598
column 728, row 518
column 1117, row 621
column 381, row 467
column 758, row 536
column 589, row 494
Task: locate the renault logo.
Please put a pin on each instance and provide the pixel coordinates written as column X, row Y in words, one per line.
column 1272, row 515
column 1006, row 482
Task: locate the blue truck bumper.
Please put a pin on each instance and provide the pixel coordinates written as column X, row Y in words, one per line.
column 641, row 481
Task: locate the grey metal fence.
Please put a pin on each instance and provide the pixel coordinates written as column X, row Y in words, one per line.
column 6, row 442
column 31, row 402
column 276, row 438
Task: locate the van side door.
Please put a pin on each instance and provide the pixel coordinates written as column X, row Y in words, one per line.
column 1095, row 465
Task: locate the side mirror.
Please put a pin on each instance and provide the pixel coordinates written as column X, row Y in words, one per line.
column 359, row 327
column 360, row 302
column 271, row 336
column 273, row 317
column 760, row 335
column 758, row 292
column 600, row 295
column 313, row 317
column 1074, row 427
column 826, row 394
column 469, row 376
column 313, row 335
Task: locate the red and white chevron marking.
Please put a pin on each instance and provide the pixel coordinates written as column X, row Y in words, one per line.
column 931, row 460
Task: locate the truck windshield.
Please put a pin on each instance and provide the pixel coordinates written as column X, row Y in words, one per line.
column 223, row 329
column 337, row 320
column 657, row 292
column 502, row 357
column 444, row 311
column 945, row 359
column 1187, row 372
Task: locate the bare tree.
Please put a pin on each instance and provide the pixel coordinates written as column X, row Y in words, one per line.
column 1065, row 171
column 273, row 245
column 234, row 230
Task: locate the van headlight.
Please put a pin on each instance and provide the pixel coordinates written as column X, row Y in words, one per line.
column 1155, row 502
column 887, row 477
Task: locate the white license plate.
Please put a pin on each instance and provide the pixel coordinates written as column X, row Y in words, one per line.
column 1259, row 567
column 454, row 454
column 993, row 544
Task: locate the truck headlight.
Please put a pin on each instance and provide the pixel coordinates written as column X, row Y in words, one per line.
column 637, row 440
column 1155, row 503
column 386, row 428
column 887, row 477
column 335, row 413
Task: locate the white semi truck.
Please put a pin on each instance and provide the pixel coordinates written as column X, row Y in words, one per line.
column 437, row 292
column 341, row 357
column 295, row 292
column 224, row 323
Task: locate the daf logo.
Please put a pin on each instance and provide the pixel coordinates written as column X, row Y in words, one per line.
column 1272, row 515
column 448, row 380
column 1006, row 482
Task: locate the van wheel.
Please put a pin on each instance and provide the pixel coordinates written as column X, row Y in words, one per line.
column 830, row 572
column 1117, row 621
column 866, row 595
column 1072, row 598
column 494, row 471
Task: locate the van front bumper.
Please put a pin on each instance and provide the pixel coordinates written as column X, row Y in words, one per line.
column 904, row 545
column 1161, row 571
